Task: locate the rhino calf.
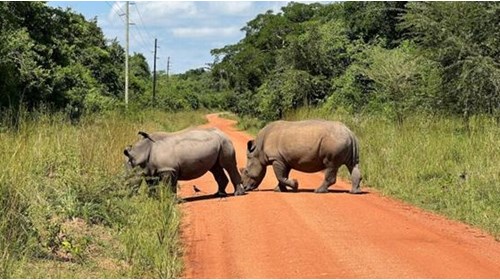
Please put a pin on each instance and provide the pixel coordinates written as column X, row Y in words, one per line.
column 186, row 155
column 307, row 146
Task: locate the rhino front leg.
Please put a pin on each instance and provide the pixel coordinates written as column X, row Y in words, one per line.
column 282, row 171
column 221, row 179
column 230, row 166
column 169, row 178
column 330, row 179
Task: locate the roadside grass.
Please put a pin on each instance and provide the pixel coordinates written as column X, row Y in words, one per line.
column 65, row 209
column 433, row 162
column 251, row 125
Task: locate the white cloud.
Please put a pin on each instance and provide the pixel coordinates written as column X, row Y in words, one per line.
column 162, row 9
column 205, row 31
column 153, row 13
column 231, row 7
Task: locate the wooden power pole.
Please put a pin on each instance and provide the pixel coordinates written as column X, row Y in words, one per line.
column 154, row 72
column 126, row 50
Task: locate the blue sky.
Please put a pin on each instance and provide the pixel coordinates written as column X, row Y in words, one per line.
column 186, row 30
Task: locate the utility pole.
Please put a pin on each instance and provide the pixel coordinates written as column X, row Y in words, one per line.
column 126, row 50
column 154, row 72
column 168, row 65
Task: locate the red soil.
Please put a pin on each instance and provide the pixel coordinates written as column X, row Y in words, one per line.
column 265, row 234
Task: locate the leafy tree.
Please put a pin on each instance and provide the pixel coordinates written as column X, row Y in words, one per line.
column 463, row 38
column 288, row 90
column 372, row 20
column 402, row 80
column 55, row 58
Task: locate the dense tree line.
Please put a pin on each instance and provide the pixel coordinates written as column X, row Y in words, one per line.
column 391, row 57
column 57, row 59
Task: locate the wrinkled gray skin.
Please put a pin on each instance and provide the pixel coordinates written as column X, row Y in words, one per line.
column 307, row 146
column 186, row 155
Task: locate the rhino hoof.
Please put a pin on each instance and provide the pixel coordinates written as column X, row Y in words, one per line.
column 321, row 190
column 278, row 189
column 239, row 193
column 220, row 194
column 355, row 191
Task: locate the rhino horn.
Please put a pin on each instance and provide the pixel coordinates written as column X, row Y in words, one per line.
column 145, row 135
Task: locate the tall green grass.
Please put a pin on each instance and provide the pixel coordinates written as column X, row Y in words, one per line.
column 434, row 162
column 65, row 210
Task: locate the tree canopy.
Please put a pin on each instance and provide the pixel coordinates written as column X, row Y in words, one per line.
column 56, row 58
column 390, row 57
column 395, row 57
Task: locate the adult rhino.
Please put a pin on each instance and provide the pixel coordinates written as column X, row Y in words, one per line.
column 307, row 146
column 186, row 155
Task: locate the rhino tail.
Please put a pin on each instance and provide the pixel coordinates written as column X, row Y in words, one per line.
column 355, row 150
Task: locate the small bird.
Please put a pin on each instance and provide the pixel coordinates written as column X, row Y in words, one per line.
column 196, row 190
column 463, row 175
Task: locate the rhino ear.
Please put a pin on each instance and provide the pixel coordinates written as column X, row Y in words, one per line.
column 251, row 146
column 145, row 135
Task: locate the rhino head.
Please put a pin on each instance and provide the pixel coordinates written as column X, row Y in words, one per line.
column 253, row 174
column 138, row 154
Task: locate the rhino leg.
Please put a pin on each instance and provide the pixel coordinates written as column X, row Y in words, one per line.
column 134, row 184
column 330, row 179
column 169, row 178
column 221, row 179
column 355, row 178
column 230, row 166
column 282, row 171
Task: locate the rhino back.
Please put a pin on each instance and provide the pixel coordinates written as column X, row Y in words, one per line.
column 191, row 153
column 305, row 145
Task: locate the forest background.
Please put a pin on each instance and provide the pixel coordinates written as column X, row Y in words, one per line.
column 393, row 58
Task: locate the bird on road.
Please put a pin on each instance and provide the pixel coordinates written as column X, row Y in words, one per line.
column 196, row 190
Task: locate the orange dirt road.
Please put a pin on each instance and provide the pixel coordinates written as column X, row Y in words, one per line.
column 265, row 234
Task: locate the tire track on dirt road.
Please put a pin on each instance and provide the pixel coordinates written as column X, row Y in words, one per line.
column 336, row 235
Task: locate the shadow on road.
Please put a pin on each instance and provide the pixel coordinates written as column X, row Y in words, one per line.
column 310, row 191
column 230, row 195
column 205, row 197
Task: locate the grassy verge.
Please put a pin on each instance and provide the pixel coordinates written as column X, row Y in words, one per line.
column 64, row 205
column 429, row 161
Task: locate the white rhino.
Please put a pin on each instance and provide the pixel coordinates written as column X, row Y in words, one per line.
column 186, row 155
column 307, row 146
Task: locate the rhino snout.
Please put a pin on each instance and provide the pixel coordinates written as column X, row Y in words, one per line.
column 130, row 158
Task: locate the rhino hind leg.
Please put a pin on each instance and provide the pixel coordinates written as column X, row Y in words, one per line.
column 355, row 179
column 221, row 179
column 330, row 179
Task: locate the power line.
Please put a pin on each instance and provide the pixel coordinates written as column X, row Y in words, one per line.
column 120, row 15
column 141, row 31
column 142, row 23
column 144, row 44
